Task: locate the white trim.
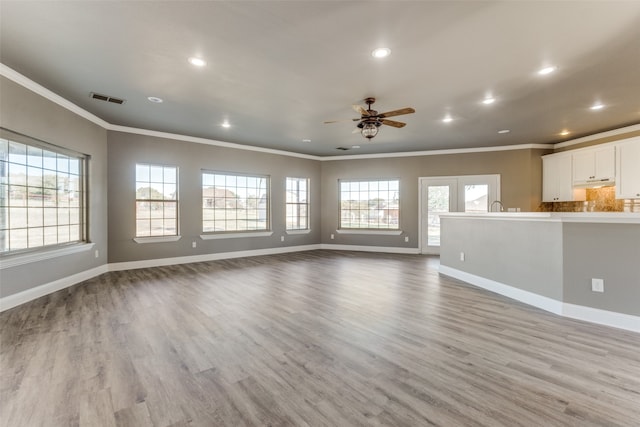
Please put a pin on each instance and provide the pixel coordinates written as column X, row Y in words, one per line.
column 306, row 231
column 602, row 317
column 156, row 239
column 24, row 81
column 545, row 303
column 368, row 231
column 588, row 138
column 29, row 257
column 16, row 299
column 236, row 235
column 437, row 152
column 206, row 141
column 132, row 265
column 381, row 249
column 589, row 314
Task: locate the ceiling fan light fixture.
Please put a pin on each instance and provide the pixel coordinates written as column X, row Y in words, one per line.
column 369, row 130
column 381, row 52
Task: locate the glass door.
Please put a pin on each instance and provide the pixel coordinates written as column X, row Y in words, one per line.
column 472, row 194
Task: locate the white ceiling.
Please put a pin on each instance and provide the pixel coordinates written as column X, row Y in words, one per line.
column 277, row 69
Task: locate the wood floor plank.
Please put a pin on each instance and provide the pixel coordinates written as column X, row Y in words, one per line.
column 315, row 338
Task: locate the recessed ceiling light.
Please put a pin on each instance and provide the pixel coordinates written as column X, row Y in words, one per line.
column 381, row 52
column 547, row 70
column 155, row 99
column 198, row 62
column 226, row 124
column 504, row 131
column 597, row 106
column 355, row 146
column 447, row 119
column 564, row 133
column 306, row 140
column 488, row 100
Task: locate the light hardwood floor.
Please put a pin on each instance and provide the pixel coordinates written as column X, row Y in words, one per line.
column 316, row 338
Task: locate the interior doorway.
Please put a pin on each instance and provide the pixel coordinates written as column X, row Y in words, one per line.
column 467, row 193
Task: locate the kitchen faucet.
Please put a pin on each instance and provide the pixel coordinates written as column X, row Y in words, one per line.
column 498, row 202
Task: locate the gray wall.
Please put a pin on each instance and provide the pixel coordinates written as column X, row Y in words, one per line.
column 23, row 111
column 523, row 254
column 603, row 251
column 521, row 186
column 125, row 150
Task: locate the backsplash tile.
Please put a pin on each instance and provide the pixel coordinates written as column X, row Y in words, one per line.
column 598, row 200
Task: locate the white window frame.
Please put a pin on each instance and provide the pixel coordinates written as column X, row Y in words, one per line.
column 38, row 167
column 164, row 236
column 210, row 205
column 291, row 193
column 391, row 228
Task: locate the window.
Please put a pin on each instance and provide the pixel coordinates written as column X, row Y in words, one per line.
column 371, row 204
column 297, row 201
column 156, row 200
column 42, row 194
column 232, row 203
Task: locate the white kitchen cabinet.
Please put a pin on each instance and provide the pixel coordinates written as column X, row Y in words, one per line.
column 593, row 165
column 557, row 180
column 628, row 169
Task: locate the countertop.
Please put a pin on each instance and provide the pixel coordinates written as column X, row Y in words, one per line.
column 588, row 217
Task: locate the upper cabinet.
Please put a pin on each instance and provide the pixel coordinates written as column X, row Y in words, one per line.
column 628, row 169
column 557, row 180
column 594, row 165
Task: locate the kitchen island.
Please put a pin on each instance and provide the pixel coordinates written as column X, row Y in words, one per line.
column 548, row 260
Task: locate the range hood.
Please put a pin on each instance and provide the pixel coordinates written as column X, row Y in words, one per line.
column 595, row 183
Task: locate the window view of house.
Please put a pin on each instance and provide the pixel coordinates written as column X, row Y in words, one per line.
column 297, row 204
column 373, row 204
column 156, row 200
column 41, row 196
column 234, row 202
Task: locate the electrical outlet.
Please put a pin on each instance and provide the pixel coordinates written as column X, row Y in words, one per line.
column 97, row 253
column 406, row 239
column 597, row 285
column 333, row 237
column 461, row 256
column 282, row 238
column 194, row 244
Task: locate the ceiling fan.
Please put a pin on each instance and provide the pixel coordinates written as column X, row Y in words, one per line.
column 370, row 120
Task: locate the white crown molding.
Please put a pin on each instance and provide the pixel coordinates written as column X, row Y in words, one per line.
column 438, row 152
column 24, row 81
column 27, row 83
column 205, row 141
column 595, row 136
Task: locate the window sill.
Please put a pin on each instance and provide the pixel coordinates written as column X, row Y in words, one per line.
column 373, row 232
column 307, row 231
column 158, row 239
column 8, row 261
column 235, row 235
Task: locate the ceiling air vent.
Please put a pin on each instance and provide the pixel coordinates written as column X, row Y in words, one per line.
column 106, row 98
column 343, row 148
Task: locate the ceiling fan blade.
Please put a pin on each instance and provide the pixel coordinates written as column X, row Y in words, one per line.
column 393, row 123
column 357, row 130
column 360, row 110
column 399, row 112
column 343, row 120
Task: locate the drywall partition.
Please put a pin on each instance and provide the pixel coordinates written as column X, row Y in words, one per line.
column 28, row 113
column 127, row 149
column 521, row 186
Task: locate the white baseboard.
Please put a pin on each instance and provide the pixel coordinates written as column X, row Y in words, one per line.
column 545, row 303
column 132, row 265
column 589, row 314
column 602, row 317
column 16, row 299
column 382, row 249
